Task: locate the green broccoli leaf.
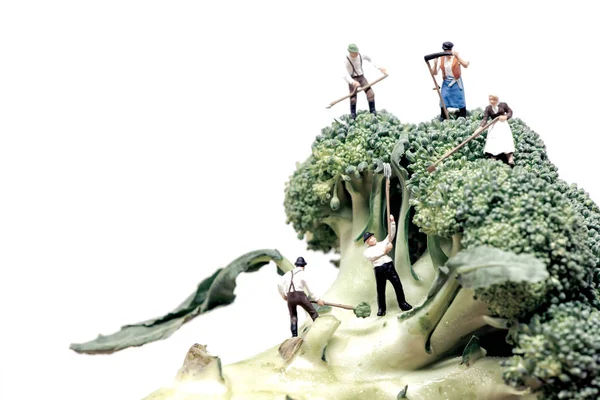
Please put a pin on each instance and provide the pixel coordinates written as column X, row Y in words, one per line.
column 438, row 257
column 216, row 290
column 484, row 266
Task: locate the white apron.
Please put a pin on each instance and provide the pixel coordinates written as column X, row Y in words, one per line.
column 499, row 139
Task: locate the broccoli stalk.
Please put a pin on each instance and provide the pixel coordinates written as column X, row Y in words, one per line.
column 480, row 248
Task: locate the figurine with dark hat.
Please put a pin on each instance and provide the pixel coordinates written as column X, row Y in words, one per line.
column 453, row 93
column 383, row 265
column 356, row 78
column 292, row 289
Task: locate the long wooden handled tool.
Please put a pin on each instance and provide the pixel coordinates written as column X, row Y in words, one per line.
column 336, row 305
column 436, row 86
column 387, row 172
column 356, row 90
column 363, row 310
column 431, row 168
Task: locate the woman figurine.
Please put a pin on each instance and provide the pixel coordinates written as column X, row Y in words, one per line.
column 452, row 89
column 499, row 138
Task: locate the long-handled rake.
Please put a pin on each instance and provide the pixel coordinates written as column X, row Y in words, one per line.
column 478, row 131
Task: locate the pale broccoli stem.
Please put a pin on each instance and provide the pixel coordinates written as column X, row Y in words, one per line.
column 442, row 293
column 457, row 314
column 366, row 196
column 401, row 253
column 360, row 206
column 463, row 317
column 376, row 209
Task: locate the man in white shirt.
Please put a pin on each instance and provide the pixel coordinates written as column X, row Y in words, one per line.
column 383, row 265
column 291, row 288
column 356, row 78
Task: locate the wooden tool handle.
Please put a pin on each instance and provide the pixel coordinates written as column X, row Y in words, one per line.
column 387, row 199
column 336, row 305
column 357, row 90
column 437, row 88
column 431, row 168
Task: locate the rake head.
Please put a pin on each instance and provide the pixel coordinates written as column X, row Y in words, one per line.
column 387, row 170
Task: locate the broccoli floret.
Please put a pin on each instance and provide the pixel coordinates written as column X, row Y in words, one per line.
column 488, row 203
column 557, row 353
column 337, row 193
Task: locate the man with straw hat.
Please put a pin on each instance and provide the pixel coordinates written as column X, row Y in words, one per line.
column 291, row 288
column 355, row 78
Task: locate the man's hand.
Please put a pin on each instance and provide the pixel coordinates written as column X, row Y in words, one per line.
column 383, row 70
column 391, row 218
column 284, row 298
column 321, row 302
column 502, row 118
column 355, row 84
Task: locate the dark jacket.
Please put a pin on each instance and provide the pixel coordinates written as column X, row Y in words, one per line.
column 503, row 109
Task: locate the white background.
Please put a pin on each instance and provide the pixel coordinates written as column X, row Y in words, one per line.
column 143, row 144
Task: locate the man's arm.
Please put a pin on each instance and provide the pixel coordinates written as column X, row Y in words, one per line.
column 374, row 252
column 365, row 57
column 348, row 76
column 281, row 289
column 460, row 60
column 435, row 68
column 310, row 294
column 391, row 235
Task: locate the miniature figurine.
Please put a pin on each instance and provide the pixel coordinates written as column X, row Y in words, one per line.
column 356, row 78
column 453, row 92
column 499, row 138
column 291, row 289
column 383, row 265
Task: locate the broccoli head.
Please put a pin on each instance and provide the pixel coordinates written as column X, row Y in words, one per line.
column 557, row 353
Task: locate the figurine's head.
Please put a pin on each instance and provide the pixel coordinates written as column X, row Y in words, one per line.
column 300, row 262
column 353, row 50
column 447, row 46
column 369, row 238
column 493, row 99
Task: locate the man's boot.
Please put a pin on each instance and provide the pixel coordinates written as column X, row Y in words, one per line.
column 372, row 107
column 442, row 114
column 353, row 111
column 462, row 112
column 294, row 330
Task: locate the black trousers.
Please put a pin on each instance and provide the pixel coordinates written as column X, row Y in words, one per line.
column 295, row 299
column 384, row 273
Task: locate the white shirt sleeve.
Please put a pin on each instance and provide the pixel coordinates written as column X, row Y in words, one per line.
column 391, row 235
column 310, row 294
